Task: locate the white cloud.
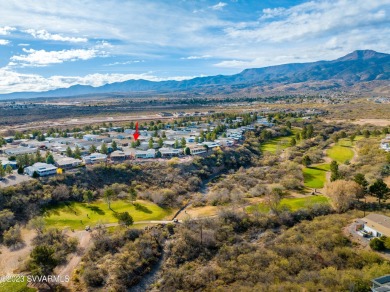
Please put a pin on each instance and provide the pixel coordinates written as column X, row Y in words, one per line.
column 40, row 58
column 6, row 30
column 196, row 57
column 272, row 12
column 125, row 63
column 23, row 45
column 314, row 19
column 218, row 6
column 11, row 81
column 4, row 42
column 45, row 35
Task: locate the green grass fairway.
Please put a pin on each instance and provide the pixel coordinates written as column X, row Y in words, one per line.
column 16, row 287
column 315, row 176
column 342, row 151
column 292, row 204
column 277, row 144
column 74, row 214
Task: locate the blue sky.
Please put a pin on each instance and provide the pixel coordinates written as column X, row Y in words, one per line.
column 51, row 44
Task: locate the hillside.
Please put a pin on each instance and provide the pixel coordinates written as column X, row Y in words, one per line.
column 354, row 71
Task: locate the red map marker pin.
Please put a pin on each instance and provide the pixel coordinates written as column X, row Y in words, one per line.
column 136, row 134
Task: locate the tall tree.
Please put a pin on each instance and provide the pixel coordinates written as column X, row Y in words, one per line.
column 334, row 171
column 306, row 161
column 183, row 142
column 8, row 169
column 38, row 156
column 43, row 261
column 380, row 190
column 50, row 159
column 114, row 145
column 69, row 152
column 133, row 194
column 103, row 148
column 2, row 171
column 77, row 152
column 92, row 149
column 125, row 219
column 108, row 195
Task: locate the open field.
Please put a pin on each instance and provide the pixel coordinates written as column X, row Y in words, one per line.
column 78, row 215
column 277, row 144
column 16, row 287
column 292, row 204
column 341, row 151
column 315, row 176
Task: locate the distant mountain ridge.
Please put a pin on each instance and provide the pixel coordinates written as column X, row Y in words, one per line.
column 357, row 67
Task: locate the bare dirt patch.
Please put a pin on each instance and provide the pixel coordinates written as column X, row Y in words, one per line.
column 11, row 261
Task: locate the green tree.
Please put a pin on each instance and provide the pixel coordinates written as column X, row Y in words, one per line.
column 77, row 152
column 38, row 224
column 125, row 219
column 132, row 194
column 108, row 195
column 43, row 261
column 103, row 148
column 334, row 171
column 377, row 244
column 380, row 190
column 360, row 179
column 187, row 151
column 150, row 144
column 38, row 156
column 160, row 142
column 50, row 159
column 69, row 152
column 158, row 154
column 306, row 161
column 87, row 196
column 183, row 142
column 176, row 144
column 20, row 170
column 2, row 171
column 114, row 145
column 12, row 237
column 293, row 142
column 8, row 169
column 288, row 124
column 92, row 149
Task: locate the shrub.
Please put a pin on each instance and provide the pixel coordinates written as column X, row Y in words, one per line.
column 377, row 244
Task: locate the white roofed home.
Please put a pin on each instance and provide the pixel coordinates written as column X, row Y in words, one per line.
column 95, row 158
column 68, row 162
column 150, row 153
column 169, row 152
column 195, row 150
column 42, row 169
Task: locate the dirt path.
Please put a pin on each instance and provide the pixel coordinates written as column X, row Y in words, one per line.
column 85, row 242
column 11, row 261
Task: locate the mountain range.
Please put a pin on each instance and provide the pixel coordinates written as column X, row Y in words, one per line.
column 354, row 71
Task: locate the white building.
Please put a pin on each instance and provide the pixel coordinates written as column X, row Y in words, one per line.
column 150, row 153
column 42, row 169
column 95, row 158
column 376, row 225
column 68, row 162
column 169, row 152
